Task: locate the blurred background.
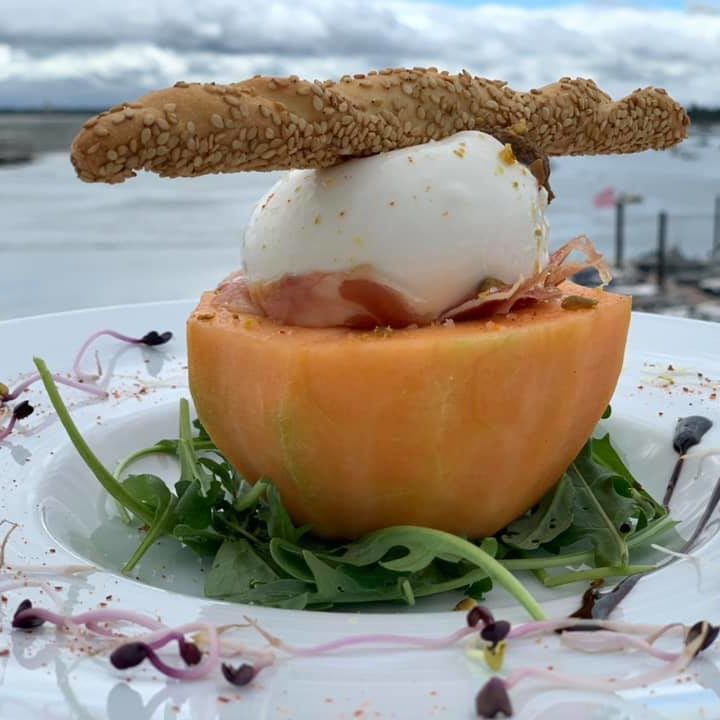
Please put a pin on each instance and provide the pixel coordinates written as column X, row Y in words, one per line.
column 65, row 244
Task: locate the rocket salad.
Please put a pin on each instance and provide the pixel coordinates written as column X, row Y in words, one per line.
column 597, row 520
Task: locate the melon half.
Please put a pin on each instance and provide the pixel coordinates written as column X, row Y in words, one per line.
column 460, row 428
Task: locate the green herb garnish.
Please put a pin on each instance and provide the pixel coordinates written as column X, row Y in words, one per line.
column 596, row 517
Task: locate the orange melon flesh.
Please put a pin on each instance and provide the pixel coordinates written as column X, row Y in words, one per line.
column 459, row 428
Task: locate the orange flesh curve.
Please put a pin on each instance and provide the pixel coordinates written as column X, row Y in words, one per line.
column 460, row 428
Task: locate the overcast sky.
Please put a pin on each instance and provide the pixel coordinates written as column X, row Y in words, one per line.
column 93, row 53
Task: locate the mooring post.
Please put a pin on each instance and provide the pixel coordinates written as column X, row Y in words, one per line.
column 661, row 251
column 619, row 231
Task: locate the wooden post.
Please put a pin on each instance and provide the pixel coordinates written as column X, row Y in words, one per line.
column 661, row 250
column 619, row 232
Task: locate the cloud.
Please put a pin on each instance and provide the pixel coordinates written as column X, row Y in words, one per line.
column 94, row 54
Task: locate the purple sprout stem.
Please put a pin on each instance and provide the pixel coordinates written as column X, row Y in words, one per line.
column 613, row 684
column 210, row 661
column 5, row 432
column 609, row 641
column 83, row 349
column 532, row 629
column 26, row 583
column 92, row 618
column 78, row 385
column 377, row 639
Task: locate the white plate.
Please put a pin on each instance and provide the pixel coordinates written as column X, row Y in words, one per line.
column 64, row 519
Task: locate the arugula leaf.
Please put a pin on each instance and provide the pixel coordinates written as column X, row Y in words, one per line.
column 236, row 569
column 201, row 541
column 190, row 469
column 544, row 523
column 239, row 574
column 593, row 516
column 147, row 489
column 600, row 510
column 161, row 525
column 605, row 454
column 279, row 524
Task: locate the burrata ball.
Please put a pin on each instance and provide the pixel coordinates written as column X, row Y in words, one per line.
column 419, row 228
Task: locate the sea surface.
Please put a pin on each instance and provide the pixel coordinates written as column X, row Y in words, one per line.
column 65, row 244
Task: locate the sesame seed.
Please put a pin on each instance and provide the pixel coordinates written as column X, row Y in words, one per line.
column 317, row 103
column 163, row 138
column 101, row 131
column 217, row 121
column 111, row 155
column 190, row 126
column 145, row 136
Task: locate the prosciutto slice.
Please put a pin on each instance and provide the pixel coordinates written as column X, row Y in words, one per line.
column 354, row 299
column 500, row 299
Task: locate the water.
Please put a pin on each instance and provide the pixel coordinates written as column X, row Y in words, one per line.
column 65, row 244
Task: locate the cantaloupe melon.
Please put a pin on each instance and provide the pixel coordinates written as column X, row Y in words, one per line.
column 460, row 428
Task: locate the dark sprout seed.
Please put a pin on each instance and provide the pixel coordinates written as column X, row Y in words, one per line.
column 23, row 410
column 478, row 614
column 493, row 700
column 28, row 621
column 241, row 675
column 625, row 528
column 711, row 633
column 495, row 632
column 189, row 652
column 154, row 338
column 129, row 655
column 689, row 431
column 589, row 599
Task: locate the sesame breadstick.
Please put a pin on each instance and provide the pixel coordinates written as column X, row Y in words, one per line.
column 279, row 123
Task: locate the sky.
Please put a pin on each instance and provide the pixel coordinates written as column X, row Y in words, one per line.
column 87, row 53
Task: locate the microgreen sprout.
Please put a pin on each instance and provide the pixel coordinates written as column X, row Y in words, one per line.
column 493, row 699
column 13, row 526
column 704, row 630
column 495, row 632
column 479, row 614
column 204, row 653
column 24, row 617
column 129, row 655
column 19, row 412
column 189, row 651
column 133, row 653
column 84, row 381
column 241, row 675
column 150, row 339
